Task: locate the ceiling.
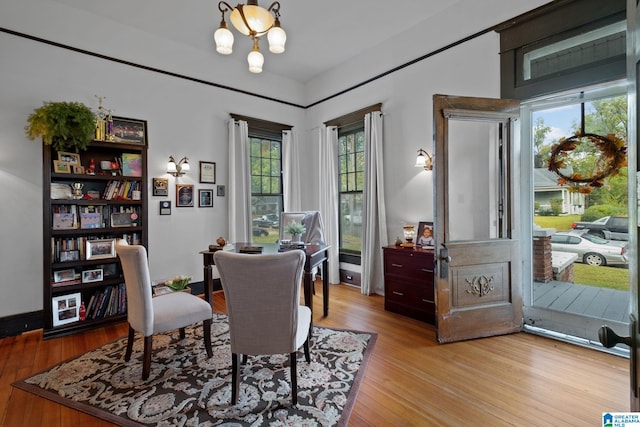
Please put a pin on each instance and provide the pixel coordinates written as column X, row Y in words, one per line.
column 320, row 34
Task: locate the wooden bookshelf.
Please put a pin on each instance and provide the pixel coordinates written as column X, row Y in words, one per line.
column 79, row 262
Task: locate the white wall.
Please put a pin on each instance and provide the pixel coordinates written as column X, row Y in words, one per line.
column 184, row 119
column 188, row 119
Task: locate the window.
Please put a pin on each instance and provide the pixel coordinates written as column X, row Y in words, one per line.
column 351, row 167
column 265, row 163
column 350, row 187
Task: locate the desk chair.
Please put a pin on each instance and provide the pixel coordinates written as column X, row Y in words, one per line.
column 149, row 315
column 263, row 304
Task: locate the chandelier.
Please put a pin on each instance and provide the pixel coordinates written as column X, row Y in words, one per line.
column 253, row 21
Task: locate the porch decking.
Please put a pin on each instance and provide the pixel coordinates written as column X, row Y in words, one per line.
column 608, row 304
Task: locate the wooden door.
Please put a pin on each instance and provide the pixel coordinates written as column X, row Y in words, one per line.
column 478, row 285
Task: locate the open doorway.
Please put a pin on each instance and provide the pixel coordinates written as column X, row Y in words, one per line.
column 580, row 258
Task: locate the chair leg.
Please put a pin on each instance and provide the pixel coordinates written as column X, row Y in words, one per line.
column 127, row 353
column 244, row 359
column 307, row 355
column 206, row 330
column 146, row 358
column 294, row 378
column 235, row 377
column 182, row 334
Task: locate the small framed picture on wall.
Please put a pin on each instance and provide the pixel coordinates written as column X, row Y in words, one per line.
column 184, row 195
column 205, row 198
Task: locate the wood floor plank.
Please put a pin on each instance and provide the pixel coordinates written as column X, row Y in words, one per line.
column 514, row 380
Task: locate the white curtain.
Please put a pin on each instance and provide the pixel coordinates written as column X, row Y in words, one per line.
column 291, row 177
column 327, row 140
column 239, row 191
column 374, row 221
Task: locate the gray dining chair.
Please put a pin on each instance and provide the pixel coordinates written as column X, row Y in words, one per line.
column 262, row 293
column 150, row 315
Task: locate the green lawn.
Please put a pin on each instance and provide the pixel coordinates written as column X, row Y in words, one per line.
column 602, row 277
column 560, row 223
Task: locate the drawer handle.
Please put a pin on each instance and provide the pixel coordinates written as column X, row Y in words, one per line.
column 426, row 300
column 398, row 293
column 397, row 265
column 426, row 270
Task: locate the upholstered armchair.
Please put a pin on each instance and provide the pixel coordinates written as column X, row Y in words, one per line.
column 263, row 303
column 312, row 222
column 148, row 315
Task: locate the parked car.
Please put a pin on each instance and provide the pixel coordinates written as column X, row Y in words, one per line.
column 608, row 227
column 268, row 220
column 354, row 218
column 260, row 232
column 591, row 250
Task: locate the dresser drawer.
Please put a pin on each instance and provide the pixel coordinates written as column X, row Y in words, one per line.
column 409, row 293
column 413, row 265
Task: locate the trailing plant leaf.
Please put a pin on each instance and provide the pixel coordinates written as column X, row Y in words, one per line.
column 68, row 126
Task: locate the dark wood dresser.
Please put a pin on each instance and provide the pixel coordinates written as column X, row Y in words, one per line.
column 408, row 282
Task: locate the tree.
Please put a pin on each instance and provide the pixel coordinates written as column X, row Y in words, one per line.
column 540, row 150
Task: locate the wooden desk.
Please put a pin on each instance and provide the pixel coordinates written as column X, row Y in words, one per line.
column 315, row 255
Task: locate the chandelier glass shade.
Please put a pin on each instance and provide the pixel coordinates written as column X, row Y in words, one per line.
column 253, row 21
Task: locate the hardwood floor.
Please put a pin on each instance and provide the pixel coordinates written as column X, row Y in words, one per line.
column 513, row 380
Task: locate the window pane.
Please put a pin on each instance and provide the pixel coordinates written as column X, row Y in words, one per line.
column 351, row 184
column 266, row 188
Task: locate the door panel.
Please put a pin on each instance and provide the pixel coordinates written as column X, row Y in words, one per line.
column 478, row 286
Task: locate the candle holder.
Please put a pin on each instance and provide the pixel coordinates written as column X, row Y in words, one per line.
column 409, row 232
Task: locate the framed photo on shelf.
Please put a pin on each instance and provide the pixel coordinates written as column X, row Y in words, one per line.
column 78, row 170
column 90, row 276
column 69, row 256
column 184, row 195
column 64, row 275
column 160, row 186
column 205, row 198
column 207, row 172
column 123, row 219
column 220, row 190
column 425, row 234
column 72, row 158
column 131, row 164
column 129, row 131
column 65, row 309
column 61, row 167
column 103, row 248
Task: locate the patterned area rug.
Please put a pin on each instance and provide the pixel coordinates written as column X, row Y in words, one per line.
column 187, row 389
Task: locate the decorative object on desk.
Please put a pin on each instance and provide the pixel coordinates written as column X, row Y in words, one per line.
column 178, row 169
column 77, row 190
column 425, row 234
column 207, row 172
column 250, row 249
column 295, row 229
column 398, row 241
column 66, row 309
column 184, row 389
column 205, row 198
column 129, row 131
column 64, row 125
column 131, row 164
column 165, row 207
column 409, row 232
column 221, row 241
column 160, row 187
column 178, row 283
column 184, row 195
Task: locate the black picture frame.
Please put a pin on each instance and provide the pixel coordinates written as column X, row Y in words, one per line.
column 207, row 172
column 184, row 195
column 205, row 198
column 165, row 207
column 220, row 190
column 160, row 186
column 129, row 131
column 420, row 240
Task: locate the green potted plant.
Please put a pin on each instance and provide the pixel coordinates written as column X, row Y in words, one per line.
column 178, row 283
column 68, row 126
column 295, row 229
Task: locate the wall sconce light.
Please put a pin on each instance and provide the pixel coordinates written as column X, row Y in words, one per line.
column 178, row 169
column 424, row 160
